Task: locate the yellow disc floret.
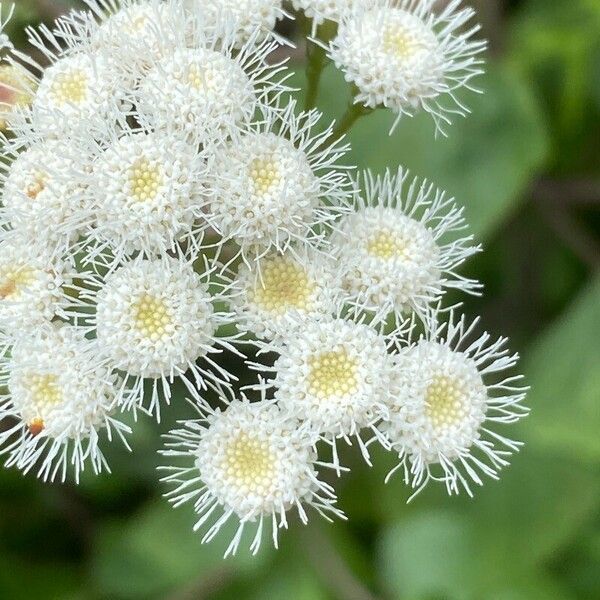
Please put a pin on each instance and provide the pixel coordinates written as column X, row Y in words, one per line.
column 405, row 40
column 199, row 78
column 283, row 285
column 36, row 186
column 332, row 374
column 152, row 317
column 445, row 401
column 264, row 174
column 249, row 463
column 14, row 91
column 14, row 279
column 44, row 393
column 145, row 179
column 138, row 23
column 70, row 87
column 385, row 244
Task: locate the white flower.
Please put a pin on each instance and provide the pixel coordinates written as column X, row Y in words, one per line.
column 136, row 32
column 61, row 394
column 244, row 17
column 147, row 191
column 333, row 375
column 79, row 92
column 277, row 184
column 409, row 56
column 443, row 407
column 321, row 10
column 16, row 91
column 211, row 90
column 301, row 281
column 401, row 247
column 126, row 34
column 154, row 319
column 249, row 463
column 44, row 196
column 33, row 285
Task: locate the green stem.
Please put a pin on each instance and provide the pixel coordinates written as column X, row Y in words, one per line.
column 316, row 60
column 353, row 113
column 314, row 69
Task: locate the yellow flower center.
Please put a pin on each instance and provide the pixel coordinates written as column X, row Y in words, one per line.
column 145, row 180
column 36, row 186
column 264, row 174
column 152, row 317
column 199, row 78
column 444, row 401
column 45, row 395
column 332, row 374
column 384, row 244
column 402, row 42
column 284, row 285
column 249, row 462
column 14, row 279
column 13, row 89
column 70, row 87
column 139, row 23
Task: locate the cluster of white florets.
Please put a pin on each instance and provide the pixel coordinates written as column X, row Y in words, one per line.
column 409, row 55
column 164, row 201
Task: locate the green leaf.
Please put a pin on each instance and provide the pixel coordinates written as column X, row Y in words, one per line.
column 548, row 495
column 427, row 555
column 532, row 587
column 452, row 555
column 556, row 43
column 290, row 580
column 29, row 580
column 563, row 370
column 539, row 506
column 157, row 551
column 487, row 160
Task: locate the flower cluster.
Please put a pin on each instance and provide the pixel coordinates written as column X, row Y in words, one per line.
column 165, row 202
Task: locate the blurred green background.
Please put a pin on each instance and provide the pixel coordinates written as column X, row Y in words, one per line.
column 527, row 166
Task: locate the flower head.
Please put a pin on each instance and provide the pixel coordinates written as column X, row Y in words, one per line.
column 321, row 10
column 44, row 197
column 333, row 375
column 33, row 285
column 139, row 30
column 300, row 281
column 244, row 17
column 154, row 319
column 147, row 191
column 443, row 406
column 409, row 56
column 78, row 92
column 276, row 184
column 16, row 91
column 251, row 463
column 61, row 394
column 400, row 248
column 209, row 90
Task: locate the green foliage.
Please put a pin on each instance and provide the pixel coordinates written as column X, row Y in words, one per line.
column 564, row 367
column 557, row 44
column 424, row 555
column 486, row 161
column 157, row 552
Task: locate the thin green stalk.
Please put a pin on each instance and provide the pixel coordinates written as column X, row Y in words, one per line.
column 316, row 60
column 353, row 113
column 315, row 63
